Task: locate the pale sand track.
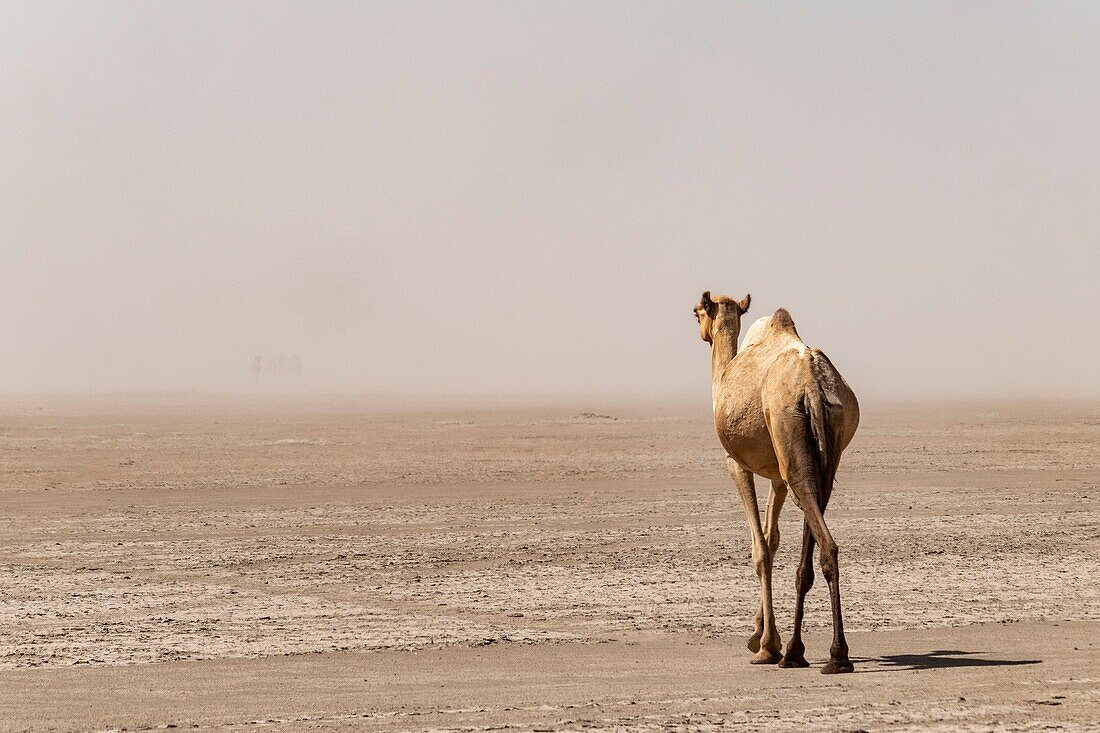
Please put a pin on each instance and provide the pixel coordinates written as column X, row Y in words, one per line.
column 528, row 569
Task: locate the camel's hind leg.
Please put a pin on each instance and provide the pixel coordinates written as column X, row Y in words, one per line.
column 770, row 646
column 795, row 656
column 799, row 468
column 830, row 568
column 776, row 498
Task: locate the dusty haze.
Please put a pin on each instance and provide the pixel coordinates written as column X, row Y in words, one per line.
column 519, row 199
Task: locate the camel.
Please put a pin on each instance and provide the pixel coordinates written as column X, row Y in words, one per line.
column 782, row 411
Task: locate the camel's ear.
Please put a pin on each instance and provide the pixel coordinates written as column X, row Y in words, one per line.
column 706, row 302
column 743, row 304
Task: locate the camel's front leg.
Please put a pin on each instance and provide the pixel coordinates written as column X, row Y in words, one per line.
column 761, row 557
column 776, row 498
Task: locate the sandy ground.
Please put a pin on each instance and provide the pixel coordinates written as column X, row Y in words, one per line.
column 272, row 562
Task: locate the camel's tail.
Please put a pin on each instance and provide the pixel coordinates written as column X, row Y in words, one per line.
column 821, row 434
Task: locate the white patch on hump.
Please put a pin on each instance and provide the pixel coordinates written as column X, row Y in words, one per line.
column 758, row 331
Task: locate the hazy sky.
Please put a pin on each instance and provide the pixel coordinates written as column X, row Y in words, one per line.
column 524, row 198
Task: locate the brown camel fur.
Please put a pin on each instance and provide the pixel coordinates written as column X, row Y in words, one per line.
column 782, row 411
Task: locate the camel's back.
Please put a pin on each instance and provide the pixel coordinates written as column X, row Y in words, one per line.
column 786, row 367
column 770, row 341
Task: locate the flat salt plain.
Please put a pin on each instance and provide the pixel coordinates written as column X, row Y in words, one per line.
column 287, row 563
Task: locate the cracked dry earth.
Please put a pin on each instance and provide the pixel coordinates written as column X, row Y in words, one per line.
column 282, row 564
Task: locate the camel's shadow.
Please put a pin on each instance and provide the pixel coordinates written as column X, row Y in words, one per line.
column 940, row 659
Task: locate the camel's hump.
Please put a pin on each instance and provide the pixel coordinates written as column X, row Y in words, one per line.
column 782, row 321
column 779, row 325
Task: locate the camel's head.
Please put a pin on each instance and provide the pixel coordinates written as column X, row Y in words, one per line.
column 718, row 313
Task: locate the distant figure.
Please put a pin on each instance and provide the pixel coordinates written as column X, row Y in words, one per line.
column 257, row 367
column 295, row 367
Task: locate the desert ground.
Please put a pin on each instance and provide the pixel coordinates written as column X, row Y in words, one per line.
column 284, row 563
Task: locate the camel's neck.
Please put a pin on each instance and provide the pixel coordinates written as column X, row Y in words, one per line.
column 723, row 347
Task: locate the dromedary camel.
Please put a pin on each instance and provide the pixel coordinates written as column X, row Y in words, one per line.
column 782, row 411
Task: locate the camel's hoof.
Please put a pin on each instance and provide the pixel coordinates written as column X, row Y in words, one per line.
column 793, row 662
column 837, row 666
column 753, row 643
column 765, row 657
